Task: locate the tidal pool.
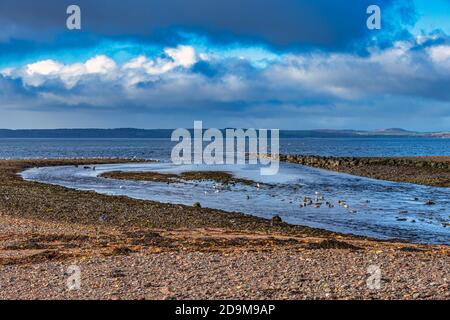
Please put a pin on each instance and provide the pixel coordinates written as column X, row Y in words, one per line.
column 375, row 208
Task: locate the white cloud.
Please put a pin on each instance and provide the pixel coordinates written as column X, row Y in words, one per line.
column 45, row 68
column 100, row 64
column 139, row 69
column 38, row 73
column 293, row 79
column 142, row 69
column 440, row 53
column 182, row 56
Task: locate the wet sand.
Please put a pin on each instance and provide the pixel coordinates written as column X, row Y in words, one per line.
column 138, row 249
column 225, row 178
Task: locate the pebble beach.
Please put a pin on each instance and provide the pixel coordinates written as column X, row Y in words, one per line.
column 136, row 249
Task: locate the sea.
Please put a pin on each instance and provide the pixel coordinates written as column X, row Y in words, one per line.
column 161, row 148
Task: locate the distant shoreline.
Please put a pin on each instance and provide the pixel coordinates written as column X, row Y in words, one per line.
column 128, row 133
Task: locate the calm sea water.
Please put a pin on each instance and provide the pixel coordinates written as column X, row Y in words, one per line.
column 161, row 148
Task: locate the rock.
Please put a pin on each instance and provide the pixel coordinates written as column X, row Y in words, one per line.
column 197, row 205
column 276, row 219
column 117, row 273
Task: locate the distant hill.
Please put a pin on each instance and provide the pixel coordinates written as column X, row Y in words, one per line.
column 394, row 131
column 86, row 133
column 166, row 133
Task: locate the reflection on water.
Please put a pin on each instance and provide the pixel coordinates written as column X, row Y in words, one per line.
column 373, row 208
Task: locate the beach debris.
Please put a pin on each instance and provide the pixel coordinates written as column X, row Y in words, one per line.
column 258, row 186
column 430, row 203
column 332, row 244
column 197, row 205
column 121, row 187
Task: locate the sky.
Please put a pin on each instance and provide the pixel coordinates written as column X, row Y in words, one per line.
column 285, row 64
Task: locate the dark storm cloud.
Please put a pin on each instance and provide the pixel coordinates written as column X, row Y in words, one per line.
column 328, row 24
